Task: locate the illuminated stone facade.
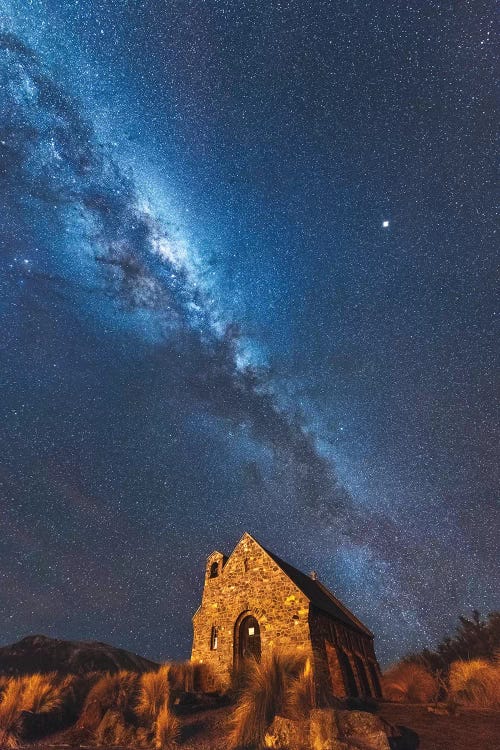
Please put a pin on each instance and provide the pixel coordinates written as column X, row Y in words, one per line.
column 253, row 602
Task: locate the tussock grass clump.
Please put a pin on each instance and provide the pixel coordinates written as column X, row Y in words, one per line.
column 36, row 693
column 114, row 691
column 108, row 712
column 475, row 683
column 3, row 683
column 161, row 728
column 42, row 693
column 113, row 730
column 182, row 677
column 263, row 693
column 301, row 693
column 154, row 693
column 409, row 683
column 189, row 677
column 10, row 709
column 166, row 728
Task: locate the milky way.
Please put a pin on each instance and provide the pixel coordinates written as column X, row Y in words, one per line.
column 247, row 284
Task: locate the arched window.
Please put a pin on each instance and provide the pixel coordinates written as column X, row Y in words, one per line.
column 213, row 638
column 375, row 679
column 350, row 685
column 214, row 570
column 363, row 678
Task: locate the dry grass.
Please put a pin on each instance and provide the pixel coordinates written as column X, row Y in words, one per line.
column 188, row 677
column 166, row 728
column 35, row 693
column 154, row 693
column 115, row 691
column 475, row 683
column 301, row 693
column 113, row 730
column 182, row 677
column 265, row 689
column 42, row 693
column 409, row 683
column 4, row 681
column 105, row 709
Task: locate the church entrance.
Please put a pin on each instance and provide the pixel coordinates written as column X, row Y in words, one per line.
column 248, row 639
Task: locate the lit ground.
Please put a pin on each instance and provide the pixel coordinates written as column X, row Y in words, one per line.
column 470, row 730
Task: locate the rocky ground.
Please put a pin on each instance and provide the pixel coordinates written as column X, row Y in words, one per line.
column 469, row 730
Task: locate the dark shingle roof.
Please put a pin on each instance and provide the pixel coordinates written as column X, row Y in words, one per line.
column 318, row 595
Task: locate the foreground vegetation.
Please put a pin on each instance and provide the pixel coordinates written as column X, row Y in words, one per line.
column 107, row 710
column 153, row 709
column 464, row 670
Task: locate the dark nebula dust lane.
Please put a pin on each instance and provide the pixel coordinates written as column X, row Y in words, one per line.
column 247, row 283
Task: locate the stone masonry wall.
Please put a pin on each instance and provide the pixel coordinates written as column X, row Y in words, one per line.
column 249, row 582
column 329, row 638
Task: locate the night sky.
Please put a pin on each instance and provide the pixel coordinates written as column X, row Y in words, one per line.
column 247, row 282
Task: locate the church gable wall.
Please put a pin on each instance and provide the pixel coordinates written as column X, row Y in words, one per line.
column 250, row 581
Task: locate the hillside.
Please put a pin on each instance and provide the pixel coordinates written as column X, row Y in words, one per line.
column 37, row 653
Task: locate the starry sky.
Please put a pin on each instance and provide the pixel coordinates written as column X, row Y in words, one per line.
column 247, row 282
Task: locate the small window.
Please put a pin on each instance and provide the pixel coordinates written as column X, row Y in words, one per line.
column 213, row 639
column 251, row 631
column 214, row 570
column 245, row 564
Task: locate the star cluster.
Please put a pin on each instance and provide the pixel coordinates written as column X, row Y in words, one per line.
column 247, row 283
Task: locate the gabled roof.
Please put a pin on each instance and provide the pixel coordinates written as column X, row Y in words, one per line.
column 319, row 596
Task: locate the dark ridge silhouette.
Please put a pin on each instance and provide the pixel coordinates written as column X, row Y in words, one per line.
column 38, row 653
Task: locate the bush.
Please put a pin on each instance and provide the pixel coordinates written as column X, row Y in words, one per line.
column 263, row 693
column 409, row 683
column 475, row 683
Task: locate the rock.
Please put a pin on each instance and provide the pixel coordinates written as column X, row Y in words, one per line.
column 285, row 734
column 438, row 710
column 362, row 730
column 369, row 741
column 328, row 729
column 324, row 731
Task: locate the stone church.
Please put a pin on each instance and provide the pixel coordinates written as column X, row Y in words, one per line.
column 254, row 602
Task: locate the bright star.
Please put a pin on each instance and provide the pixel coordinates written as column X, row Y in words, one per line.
column 385, row 224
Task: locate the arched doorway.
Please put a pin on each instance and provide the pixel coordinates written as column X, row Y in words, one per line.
column 247, row 639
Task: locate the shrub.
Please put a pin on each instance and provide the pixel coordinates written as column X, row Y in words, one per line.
column 265, row 686
column 409, row 683
column 475, row 683
column 166, row 728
